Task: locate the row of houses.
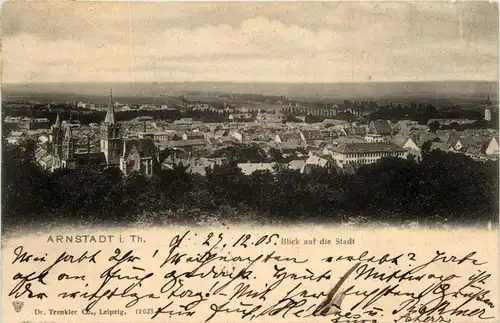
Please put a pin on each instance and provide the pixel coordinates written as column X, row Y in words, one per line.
column 139, row 145
column 28, row 124
column 345, row 158
column 349, row 156
column 479, row 144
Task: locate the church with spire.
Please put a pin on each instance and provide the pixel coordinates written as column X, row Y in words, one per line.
column 76, row 147
column 72, row 147
column 111, row 141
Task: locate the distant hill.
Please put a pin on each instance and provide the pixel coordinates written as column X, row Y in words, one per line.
column 361, row 91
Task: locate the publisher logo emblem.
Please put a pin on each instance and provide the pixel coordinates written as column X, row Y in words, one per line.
column 18, row 305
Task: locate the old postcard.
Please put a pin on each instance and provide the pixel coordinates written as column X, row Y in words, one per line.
column 250, row 162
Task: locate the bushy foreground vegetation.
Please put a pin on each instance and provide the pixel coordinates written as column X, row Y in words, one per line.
column 442, row 187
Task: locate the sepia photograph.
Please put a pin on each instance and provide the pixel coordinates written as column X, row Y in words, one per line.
column 262, row 113
column 253, row 161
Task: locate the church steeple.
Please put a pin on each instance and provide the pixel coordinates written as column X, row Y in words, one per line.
column 58, row 122
column 68, row 145
column 110, row 114
column 57, row 136
column 111, row 137
column 488, row 101
column 68, row 135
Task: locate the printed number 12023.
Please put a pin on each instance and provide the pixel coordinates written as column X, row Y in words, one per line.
column 148, row 311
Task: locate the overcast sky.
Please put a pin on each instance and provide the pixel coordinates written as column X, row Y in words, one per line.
column 282, row 42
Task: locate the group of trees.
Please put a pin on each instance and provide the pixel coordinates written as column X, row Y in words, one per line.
column 479, row 124
column 254, row 154
column 442, row 187
column 87, row 116
column 423, row 113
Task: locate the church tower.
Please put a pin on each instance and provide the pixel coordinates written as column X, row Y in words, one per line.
column 488, row 101
column 487, row 109
column 57, row 136
column 110, row 135
column 68, row 147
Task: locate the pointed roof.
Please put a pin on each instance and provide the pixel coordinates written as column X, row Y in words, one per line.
column 381, row 126
column 488, row 101
column 400, row 140
column 145, row 147
column 357, row 147
column 68, row 134
column 58, row 121
column 110, row 114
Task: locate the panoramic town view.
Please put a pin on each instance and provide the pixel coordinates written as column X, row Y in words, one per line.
column 242, row 144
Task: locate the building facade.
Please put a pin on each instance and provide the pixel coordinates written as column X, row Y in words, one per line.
column 67, row 151
column 141, row 156
column 365, row 153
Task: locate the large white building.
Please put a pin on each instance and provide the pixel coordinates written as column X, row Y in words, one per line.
column 366, row 152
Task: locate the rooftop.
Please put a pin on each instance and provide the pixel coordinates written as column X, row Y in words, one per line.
column 367, row 147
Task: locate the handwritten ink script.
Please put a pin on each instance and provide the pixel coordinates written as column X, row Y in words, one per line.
column 252, row 277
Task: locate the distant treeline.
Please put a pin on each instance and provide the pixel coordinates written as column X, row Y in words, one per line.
column 422, row 114
column 443, row 187
column 86, row 117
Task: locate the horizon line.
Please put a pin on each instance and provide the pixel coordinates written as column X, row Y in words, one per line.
column 261, row 82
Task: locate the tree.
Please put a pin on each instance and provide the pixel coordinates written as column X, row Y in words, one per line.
column 426, row 147
column 411, row 158
column 455, row 126
column 434, row 126
column 275, row 155
column 29, row 148
column 441, row 185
